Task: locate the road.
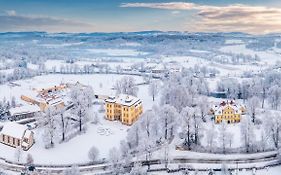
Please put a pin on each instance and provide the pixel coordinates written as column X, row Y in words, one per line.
column 104, row 168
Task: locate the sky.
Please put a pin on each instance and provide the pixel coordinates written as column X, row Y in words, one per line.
column 249, row 16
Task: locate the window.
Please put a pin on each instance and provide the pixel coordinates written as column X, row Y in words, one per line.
column 14, row 141
column 25, row 140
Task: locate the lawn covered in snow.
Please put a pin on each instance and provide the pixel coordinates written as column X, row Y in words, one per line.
column 103, row 136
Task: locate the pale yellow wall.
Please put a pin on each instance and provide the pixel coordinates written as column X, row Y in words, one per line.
column 228, row 114
column 128, row 115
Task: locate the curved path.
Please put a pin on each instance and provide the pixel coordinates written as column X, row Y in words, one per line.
column 271, row 159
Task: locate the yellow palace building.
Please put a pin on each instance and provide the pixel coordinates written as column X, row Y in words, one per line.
column 125, row 108
column 228, row 111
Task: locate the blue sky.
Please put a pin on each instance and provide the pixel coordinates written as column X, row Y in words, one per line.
column 251, row 16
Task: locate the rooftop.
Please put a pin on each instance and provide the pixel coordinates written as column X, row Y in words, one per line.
column 123, row 99
column 13, row 129
column 26, row 109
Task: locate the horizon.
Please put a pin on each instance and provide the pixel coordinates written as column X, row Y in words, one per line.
column 143, row 31
column 86, row 16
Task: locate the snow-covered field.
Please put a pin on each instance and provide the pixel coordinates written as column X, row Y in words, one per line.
column 117, row 52
column 104, row 136
column 101, row 83
column 267, row 57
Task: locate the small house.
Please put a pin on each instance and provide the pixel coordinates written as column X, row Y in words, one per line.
column 16, row 135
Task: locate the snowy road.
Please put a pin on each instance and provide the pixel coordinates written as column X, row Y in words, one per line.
column 174, row 165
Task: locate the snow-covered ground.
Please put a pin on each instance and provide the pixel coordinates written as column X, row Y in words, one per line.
column 117, row 52
column 267, row 171
column 267, row 57
column 101, row 83
column 104, row 136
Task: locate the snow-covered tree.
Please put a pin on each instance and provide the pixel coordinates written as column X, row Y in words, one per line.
column 187, row 125
column 29, row 160
column 127, row 85
column 82, row 100
column 273, row 128
column 168, row 117
column 18, row 154
column 153, row 89
column 252, row 106
column 115, row 160
column 274, row 96
column 137, row 170
column 176, row 96
column 95, row 118
column 248, row 136
column 49, row 125
column 223, row 134
column 13, row 101
column 203, row 105
column 93, row 154
column 211, row 135
column 245, row 90
column 229, row 85
column 74, row 170
column 147, row 139
column 63, row 123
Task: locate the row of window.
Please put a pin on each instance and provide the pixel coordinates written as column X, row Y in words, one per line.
column 11, row 140
column 125, row 121
column 227, row 117
column 228, row 121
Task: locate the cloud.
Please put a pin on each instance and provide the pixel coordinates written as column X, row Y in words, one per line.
column 235, row 17
column 167, row 6
column 11, row 12
column 14, row 22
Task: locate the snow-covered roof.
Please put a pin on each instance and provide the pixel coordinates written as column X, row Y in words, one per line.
column 26, row 109
column 14, row 129
column 159, row 67
column 218, row 109
column 54, row 102
column 27, row 133
column 123, row 99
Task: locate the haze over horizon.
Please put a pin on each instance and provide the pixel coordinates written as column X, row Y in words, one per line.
column 248, row 16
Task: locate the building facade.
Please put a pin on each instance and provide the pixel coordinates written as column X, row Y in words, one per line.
column 124, row 108
column 47, row 97
column 228, row 111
